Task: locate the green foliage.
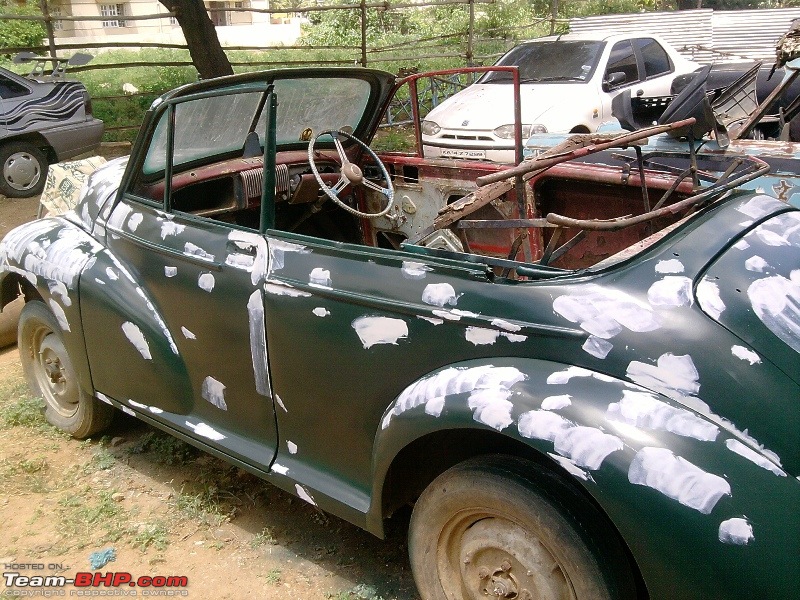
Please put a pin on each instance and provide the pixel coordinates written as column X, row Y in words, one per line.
column 20, row 33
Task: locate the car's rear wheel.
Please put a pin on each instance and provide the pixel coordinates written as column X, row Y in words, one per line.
column 50, row 373
column 23, row 170
column 496, row 527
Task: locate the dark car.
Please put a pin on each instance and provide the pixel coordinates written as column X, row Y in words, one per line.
column 587, row 385
column 42, row 121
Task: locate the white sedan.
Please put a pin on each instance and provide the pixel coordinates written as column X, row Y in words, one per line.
column 567, row 83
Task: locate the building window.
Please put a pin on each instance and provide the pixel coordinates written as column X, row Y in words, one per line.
column 55, row 12
column 113, row 10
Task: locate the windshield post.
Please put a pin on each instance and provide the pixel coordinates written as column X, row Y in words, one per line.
column 267, row 220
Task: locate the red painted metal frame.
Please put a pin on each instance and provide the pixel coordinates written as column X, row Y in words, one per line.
column 411, row 80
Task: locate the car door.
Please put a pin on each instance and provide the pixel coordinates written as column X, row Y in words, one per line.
column 182, row 339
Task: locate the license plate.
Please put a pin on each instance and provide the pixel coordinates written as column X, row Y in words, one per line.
column 463, row 153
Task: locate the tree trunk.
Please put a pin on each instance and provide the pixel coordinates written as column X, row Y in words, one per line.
column 207, row 55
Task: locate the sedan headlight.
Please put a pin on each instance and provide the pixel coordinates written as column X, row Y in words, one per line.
column 430, row 128
column 506, row 132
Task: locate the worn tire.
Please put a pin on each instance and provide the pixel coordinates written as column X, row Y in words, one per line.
column 23, row 170
column 49, row 372
column 502, row 527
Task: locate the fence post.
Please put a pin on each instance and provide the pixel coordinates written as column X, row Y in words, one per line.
column 553, row 15
column 471, row 34
column 48, row 24
column 363, row 33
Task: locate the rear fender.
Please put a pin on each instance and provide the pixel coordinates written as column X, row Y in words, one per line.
column 677, row 484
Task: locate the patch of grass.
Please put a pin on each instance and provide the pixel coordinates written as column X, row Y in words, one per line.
column 21, row 475
column 164, row 448
column 153, row 535
column 86, row 514
column 203, row 508
column 273, row 576
column 102, row 460
column 265, row 538
column 20, row 408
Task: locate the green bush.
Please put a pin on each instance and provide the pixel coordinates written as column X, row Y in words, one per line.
column 14, row 34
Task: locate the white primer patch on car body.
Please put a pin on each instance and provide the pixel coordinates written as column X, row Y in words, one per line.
column 439, row 294
column 128, row 411
column 170, row 271
column 379, row 330
column 758, row 206
column 586, row 446
column 446, row 315
column 159, row 319
column 756, row 264
column 136, row 337
column 675, row 376
column 489, row 388
column 562, row 377
column 557, row 402
column 604, row 312
column 597, row 347
column 709, row 299
column 320, row 278
column 214, row 391
column 279, row 288
column 736, row 531
column 279, row 469
column 480, row 336
column 432, row 320
column 188, row 334
column 742, row 245
column 677, row 478
column 246, row 242
column 642, row 409
column 58, row 289
column 571, row 468
column 103, row 398
column 169, row 227
column 258, row 343
column 190, row 249
column 280, row 403
column 137, row 404
column 321, row 311
column 753, row 456
column 303, row 494
column 98, row 280
column 670, row 266
column 134, row 221
column 205, row 431
column 59, row 314
column 206, row 282
column 277, row 251
column 502, row 324
column 746, row 354
column 672, row 290
column 415, row 270
column 776, row 302
column 291, row 446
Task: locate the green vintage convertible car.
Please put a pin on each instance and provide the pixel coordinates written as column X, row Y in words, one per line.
column 586, row 381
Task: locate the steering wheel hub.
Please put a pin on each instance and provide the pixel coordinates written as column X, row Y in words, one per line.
column 353, row 174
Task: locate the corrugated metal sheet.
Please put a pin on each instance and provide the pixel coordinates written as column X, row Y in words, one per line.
column 689, row 31
column 705, row 35
column 751, row 33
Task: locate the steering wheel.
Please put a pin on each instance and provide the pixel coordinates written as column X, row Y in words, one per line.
column 351, row 174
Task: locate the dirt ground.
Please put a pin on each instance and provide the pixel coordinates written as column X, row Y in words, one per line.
column 167, row 509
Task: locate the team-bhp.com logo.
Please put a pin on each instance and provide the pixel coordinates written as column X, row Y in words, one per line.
column 119, row 583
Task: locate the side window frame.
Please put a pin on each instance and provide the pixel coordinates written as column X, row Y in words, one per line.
column 636, row 63
column 638, row 44
column 6, row 81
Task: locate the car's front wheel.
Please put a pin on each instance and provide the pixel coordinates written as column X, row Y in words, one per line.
column 23, row 170
column 496, row 527
column 50, row 373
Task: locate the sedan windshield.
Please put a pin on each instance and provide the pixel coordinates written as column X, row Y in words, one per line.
column 553, row 61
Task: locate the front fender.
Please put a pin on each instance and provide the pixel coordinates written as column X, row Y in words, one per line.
column 49, row 255
column 706, row 513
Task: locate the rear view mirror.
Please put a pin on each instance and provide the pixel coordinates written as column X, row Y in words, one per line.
column 614, row 79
